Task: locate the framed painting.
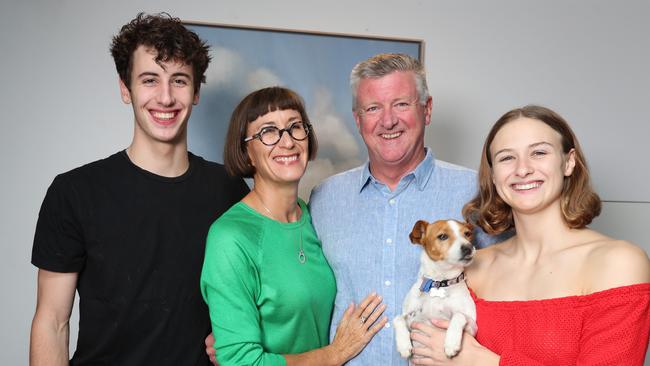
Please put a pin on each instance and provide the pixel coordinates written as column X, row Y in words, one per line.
column 315, row 65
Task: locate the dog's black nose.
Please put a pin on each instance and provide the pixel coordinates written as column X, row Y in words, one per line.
column 466, row 250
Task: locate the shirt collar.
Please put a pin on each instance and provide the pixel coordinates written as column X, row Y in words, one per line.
column 422, row 172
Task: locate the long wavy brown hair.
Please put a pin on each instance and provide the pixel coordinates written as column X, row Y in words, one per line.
column 578, row 201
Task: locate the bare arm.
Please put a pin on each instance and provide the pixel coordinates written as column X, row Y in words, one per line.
column 50, row 327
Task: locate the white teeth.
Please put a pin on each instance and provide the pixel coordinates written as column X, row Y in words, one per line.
column 286, row 159
column 391, row 135
column 163, row 115
column 523, row 187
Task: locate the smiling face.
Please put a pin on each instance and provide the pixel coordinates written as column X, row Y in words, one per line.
column 284, row 162
column 529, row 166
column 391, row 121
column 162, row 97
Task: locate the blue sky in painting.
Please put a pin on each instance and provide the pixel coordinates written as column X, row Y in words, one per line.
column 316, row 66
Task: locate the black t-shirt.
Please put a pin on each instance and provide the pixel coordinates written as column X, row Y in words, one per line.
column 137, row 241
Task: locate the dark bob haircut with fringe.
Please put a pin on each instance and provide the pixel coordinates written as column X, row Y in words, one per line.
column 578, row 202
column 253, row 106
column 168, row 36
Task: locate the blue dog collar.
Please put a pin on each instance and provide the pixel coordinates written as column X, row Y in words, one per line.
column 428, row 284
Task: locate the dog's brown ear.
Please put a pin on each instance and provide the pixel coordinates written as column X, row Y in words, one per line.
column 418, row 232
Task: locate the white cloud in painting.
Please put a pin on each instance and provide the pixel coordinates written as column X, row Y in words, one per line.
column 229, row 70
column 225, row 68
column 262, row 78
column 331, row 128
column 338, row 149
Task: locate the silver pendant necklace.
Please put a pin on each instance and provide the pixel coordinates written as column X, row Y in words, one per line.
column 302, row 258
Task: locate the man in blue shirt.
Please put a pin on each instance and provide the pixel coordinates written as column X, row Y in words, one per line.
column 364, row 216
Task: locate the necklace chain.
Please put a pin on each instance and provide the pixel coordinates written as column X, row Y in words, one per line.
column 302, row 258
column 263, row 205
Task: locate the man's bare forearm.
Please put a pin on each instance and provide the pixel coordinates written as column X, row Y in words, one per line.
column 51, row 325
column 49, row 343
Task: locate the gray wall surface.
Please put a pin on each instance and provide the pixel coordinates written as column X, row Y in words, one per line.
column 587, row 59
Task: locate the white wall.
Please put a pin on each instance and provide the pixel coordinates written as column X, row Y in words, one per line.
column 587, row 59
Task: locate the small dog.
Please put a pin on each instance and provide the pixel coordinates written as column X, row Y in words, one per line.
column 440, row 291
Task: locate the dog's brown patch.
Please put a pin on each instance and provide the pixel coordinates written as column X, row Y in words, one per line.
column 418, row 232
column 437, row 240
column 438, row 237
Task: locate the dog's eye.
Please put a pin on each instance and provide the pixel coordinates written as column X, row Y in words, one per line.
column 468, row 234
column 443, row 237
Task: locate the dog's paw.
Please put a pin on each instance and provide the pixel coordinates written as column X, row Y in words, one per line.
column 404, row 347
column 452, row 348
column 471, row 327
column 405, row 352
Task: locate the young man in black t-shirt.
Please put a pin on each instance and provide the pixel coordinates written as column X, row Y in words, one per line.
column 128, row 232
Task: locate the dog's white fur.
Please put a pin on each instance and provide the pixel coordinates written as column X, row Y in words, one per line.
column 446, row 253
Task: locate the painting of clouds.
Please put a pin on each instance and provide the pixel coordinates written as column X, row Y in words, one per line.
column 315, row 65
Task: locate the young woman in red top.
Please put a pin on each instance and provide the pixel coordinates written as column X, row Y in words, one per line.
column 557, row 292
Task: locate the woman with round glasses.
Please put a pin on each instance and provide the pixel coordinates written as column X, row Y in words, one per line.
column 268, row 286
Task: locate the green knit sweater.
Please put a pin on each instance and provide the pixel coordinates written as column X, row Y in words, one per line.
column 263, row 302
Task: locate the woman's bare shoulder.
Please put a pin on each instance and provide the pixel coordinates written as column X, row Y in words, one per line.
column 485, row 256
column 483, row 260
column 613, row 263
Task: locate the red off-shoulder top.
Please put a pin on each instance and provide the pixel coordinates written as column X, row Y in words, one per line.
column 610, row 327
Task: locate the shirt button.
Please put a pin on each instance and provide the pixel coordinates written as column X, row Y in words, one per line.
column 387, row 283
column 392, row 201
column 389, row 241
column 387, row 325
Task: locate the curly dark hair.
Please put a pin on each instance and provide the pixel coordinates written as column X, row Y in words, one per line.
column 168, row 36
column 578, row 201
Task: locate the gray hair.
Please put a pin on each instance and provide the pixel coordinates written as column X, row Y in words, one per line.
column 383, row 64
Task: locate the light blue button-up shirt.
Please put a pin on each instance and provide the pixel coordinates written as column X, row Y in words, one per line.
column 364, row 228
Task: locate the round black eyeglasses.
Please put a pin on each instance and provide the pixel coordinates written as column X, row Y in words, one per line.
column 271, row 135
